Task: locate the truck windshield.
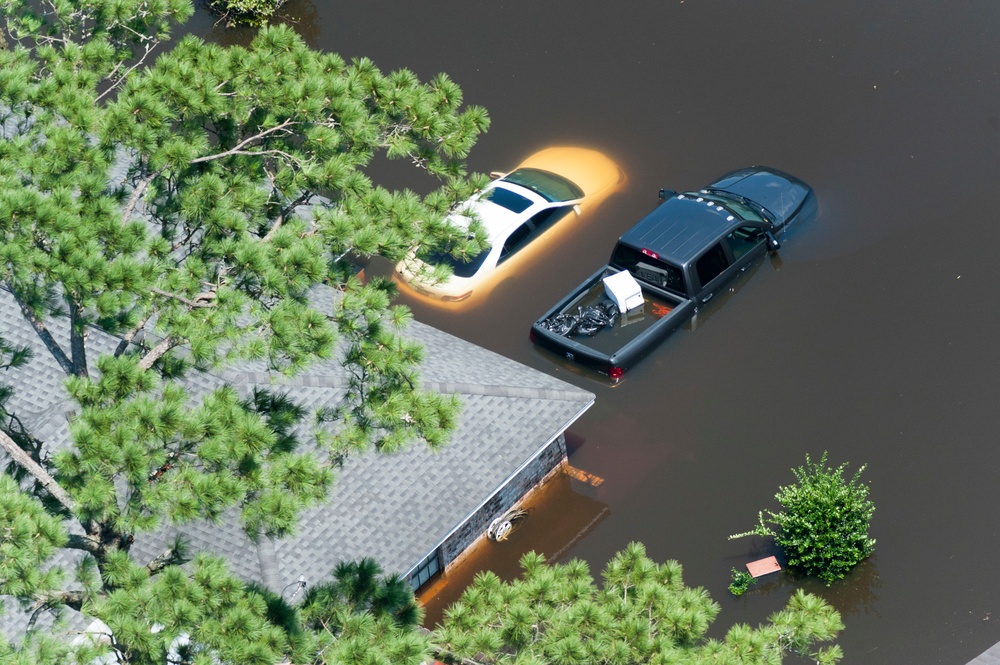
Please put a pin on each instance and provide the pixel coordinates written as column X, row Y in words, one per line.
column 738, row 205
column 649, row 269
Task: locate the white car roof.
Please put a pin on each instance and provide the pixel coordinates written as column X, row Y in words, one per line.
column 497, row 220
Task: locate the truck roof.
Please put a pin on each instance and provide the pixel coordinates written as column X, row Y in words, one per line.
column 680, row 228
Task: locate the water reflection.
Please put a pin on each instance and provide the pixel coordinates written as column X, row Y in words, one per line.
column 560, row 514
column 858, row 593
column 300, row 15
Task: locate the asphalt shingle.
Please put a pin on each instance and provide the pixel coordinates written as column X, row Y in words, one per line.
column 395, row 508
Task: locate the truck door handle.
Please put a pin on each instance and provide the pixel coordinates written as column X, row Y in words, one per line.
column 707, row 298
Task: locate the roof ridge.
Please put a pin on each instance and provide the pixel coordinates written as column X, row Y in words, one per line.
column 238, row 377
column 495, row 390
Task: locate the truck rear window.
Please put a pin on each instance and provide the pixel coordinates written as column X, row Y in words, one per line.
column 648, row 269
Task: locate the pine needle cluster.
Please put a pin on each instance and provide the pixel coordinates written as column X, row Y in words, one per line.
column 643, row 613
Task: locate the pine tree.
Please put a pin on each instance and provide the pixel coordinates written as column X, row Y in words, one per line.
column 643, row 613
column 195, row 259
column 363, row 616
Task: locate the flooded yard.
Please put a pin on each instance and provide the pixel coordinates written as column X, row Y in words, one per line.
column 871, row 336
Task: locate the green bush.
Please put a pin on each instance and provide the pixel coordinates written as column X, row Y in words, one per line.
column 823, row 527
column 742, row 580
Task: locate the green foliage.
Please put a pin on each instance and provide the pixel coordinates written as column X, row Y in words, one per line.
column 365, row 617
column 555, row 614
column 359, row 587
column 205, row 612
column 823, row 527
column 11, row 357
column 742, row 581
column 29, row 535
column 144, row 456
column 194, row 260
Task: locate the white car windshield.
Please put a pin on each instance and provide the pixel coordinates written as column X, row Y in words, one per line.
column 463, row 266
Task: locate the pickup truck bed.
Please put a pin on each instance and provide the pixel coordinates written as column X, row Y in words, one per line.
column 619, row 343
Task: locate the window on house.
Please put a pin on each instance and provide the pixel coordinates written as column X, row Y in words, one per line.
column 425, row 570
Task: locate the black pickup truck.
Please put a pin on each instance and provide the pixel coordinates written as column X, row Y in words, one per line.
column 680, row 255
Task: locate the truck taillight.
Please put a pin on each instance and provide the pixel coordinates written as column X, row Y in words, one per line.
column 531, row 335
column 650, row 253
column 615, row 372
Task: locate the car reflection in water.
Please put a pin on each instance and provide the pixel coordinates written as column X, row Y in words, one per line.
column 523, row 212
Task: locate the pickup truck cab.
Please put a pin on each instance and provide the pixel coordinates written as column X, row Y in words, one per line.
column 681, row 255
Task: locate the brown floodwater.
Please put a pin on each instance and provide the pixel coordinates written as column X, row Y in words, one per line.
column 873, row 336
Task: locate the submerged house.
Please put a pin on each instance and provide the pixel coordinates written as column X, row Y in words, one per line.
column 415, row 511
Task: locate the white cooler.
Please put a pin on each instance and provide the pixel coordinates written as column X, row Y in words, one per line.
column 623, row 290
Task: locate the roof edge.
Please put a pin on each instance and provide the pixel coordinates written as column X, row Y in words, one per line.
column 525, row 463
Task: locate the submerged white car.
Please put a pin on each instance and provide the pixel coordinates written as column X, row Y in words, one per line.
column 517, row 211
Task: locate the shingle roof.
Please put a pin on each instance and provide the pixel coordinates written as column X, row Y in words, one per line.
column 395, row 508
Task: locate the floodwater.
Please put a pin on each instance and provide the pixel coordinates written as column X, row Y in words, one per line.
column 873, row 336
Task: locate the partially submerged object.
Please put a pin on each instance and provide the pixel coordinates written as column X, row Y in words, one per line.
column 520, row 213
column 680, row 256
column 502, row 526
column 764, row 566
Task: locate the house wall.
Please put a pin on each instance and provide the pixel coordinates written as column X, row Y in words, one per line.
column 506, row 497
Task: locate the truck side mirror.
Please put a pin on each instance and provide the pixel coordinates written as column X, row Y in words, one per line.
column 665, row 194
column 772, row 243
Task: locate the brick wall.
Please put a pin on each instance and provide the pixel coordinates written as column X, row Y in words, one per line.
column 505, row 498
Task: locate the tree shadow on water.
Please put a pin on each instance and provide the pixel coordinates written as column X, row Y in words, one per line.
column 858, row 592
column 301, row 16
column 854, row 595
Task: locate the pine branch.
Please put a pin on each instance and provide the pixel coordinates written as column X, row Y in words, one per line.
column 86, row 543
column 166, row 558
column 22, row 459
column 131, row 335
column 157, row 352
column 238, row 148
column 77, row 337
column 148, row 47
column 201, row 300
column 44, row 334
column 137, row 193
column 305, row 196
column 73, row 599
